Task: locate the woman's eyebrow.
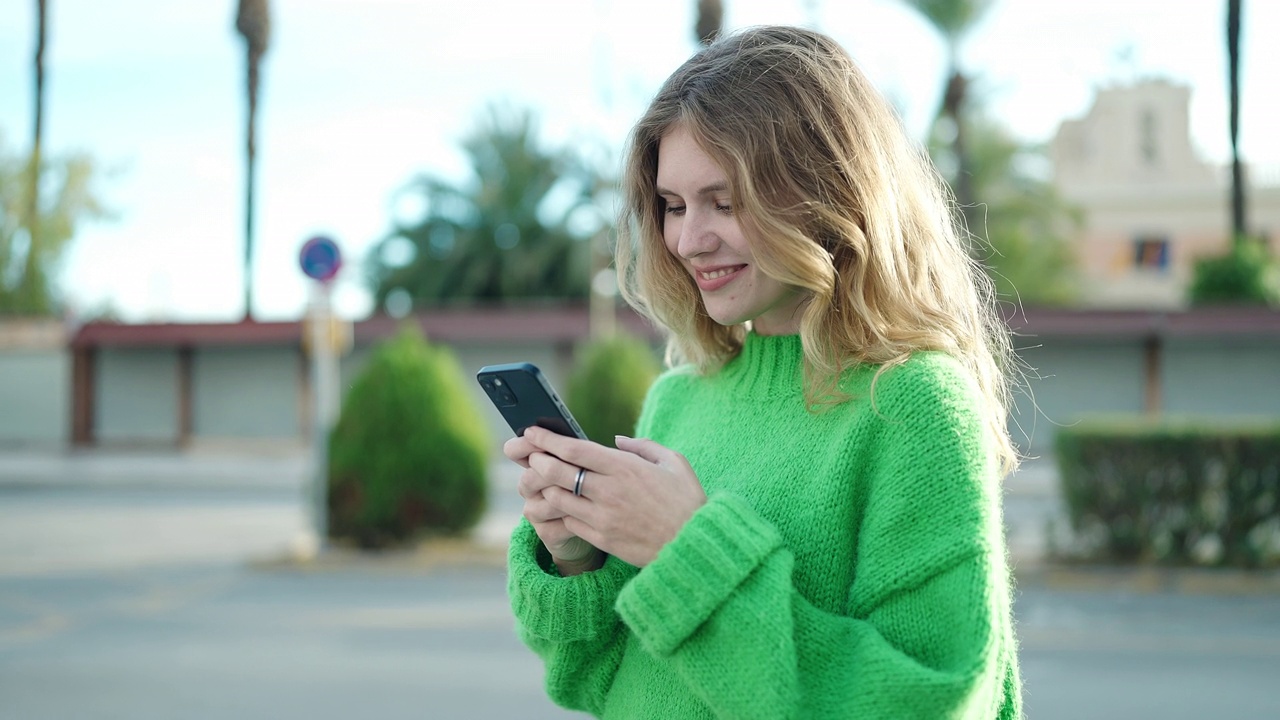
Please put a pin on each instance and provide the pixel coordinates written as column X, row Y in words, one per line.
column 715, row 187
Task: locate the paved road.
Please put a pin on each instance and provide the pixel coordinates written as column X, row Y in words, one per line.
column 125, row 593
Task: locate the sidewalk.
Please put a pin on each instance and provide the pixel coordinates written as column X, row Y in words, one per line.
column 116, row 508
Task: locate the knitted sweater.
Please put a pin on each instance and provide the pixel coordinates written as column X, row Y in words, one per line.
column 846, row 564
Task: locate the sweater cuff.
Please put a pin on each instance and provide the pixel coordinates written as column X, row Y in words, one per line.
column 561, row 609
column 716, row 550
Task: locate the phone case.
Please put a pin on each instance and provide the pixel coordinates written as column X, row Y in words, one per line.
column 525, row 398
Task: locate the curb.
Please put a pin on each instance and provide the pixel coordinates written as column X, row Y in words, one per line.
column 427, row 556
column 1149, row 580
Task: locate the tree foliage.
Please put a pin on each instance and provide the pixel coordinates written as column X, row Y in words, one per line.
column 1020, row 214
column 516, row 229
column 1245, row 274
column 68, row 197
column 409, row 454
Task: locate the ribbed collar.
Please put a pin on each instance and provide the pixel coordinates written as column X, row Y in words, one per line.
column 769, row 365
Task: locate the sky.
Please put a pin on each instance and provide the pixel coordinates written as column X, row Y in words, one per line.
column 359, row 97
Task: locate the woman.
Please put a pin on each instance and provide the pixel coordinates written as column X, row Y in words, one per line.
column 811, row 526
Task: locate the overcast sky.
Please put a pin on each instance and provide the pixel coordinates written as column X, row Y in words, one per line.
column 359, row 96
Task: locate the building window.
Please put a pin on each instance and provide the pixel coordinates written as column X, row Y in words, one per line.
column 1151, row 252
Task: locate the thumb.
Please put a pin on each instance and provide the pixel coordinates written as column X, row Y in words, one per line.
column 647, row 449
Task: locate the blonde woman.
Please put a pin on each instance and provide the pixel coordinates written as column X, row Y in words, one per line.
column 811, row 525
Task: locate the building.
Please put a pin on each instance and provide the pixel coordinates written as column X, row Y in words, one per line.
column 1152, row 206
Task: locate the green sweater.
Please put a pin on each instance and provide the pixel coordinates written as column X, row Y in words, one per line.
column 846, row 564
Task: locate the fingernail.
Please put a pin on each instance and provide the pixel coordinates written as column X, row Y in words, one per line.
column 620, row 437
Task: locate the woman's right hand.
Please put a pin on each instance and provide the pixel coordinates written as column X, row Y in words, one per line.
column 571, row 554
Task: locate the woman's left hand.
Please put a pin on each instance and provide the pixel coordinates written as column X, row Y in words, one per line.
column 634, row 499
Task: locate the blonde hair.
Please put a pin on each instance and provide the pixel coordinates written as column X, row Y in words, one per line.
column 836, row 200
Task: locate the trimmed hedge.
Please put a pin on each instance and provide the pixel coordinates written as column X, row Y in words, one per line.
column 608, row 384
column 1244, row 275
column 1173, row 492
column 409, row 454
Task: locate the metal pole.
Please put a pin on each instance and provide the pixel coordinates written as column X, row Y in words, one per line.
column 324, row 393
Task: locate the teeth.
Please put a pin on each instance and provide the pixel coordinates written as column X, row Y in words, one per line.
column 717, row 274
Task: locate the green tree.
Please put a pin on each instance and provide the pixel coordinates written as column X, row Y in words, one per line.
column 954, row 19
column 1027, row 221
column 29, row 250
column 253, row 23
column 514, row 230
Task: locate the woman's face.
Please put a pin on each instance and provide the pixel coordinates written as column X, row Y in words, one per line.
column 702, row 232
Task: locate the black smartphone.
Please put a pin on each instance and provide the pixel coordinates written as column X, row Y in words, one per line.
column 525, row 398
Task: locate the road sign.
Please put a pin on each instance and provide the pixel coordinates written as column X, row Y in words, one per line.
column 320, row 258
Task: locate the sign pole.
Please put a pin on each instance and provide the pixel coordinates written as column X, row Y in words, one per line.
column 324, row 390
column 320, row 260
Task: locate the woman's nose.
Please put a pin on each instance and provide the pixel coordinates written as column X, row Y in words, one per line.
column 697, row 237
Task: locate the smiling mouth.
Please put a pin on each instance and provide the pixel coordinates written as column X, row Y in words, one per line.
column 714, row 274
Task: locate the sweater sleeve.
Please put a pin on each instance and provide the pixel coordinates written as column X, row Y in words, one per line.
column 921, row 637
column 570, row 622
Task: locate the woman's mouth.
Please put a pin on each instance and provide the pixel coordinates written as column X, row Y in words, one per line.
column 716, row 278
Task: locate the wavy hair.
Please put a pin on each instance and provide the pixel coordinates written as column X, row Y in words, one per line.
column 835, row 199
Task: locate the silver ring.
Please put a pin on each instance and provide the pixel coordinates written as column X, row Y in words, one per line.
column 577, row 482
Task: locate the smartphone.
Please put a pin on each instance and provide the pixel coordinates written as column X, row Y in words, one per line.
column 525, row 398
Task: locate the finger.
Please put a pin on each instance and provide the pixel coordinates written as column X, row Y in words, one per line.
column 532, row 483
column 538, row 510
column 582, row 453
column 567, row 504
column 647, row 449
column 517, row 449
column 554, row 471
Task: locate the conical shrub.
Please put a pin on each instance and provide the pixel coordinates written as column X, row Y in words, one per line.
column 608, row 384
column 409, row 454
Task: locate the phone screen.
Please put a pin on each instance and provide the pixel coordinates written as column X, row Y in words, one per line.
column 525, row 398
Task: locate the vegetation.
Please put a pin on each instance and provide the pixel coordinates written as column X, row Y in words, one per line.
column 1245, row 275
column 518, row 229
column 954, row 19
column 1025, row 222
column 1172, row 492
column 608, row 386
column 29, row 251
column 409, row 454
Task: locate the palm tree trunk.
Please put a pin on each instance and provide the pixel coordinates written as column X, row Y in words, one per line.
column 251, row 152
column 31, row 289
column 1238, row 225
column 953, row 107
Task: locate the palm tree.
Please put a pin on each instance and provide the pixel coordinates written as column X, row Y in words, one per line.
column 32, row 288
column 953, row 19
column 710, row 16
column 1238, row 226
column 503, row 235
column 253, row 22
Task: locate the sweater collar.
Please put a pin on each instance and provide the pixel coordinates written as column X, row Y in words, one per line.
column 768, row 365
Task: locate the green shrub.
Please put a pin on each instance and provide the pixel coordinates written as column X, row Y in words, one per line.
column 608, row 384
column 1245, row 275
column 408, row 456
column 1173, row 492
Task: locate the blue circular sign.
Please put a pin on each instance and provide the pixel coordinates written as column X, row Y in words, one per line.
column 320, row 258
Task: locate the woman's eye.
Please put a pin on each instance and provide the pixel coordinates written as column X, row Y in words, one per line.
column 675, row 209
column 724, row 208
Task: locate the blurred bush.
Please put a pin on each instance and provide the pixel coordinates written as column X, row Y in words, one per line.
column 1172, row 492
column 1245, row 275
column 608, row 384
column 409, row 454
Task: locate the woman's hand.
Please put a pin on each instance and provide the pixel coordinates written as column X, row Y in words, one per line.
column 570, row 553
column 634, row 499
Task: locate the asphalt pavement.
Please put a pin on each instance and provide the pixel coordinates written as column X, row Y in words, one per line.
column 153, row 585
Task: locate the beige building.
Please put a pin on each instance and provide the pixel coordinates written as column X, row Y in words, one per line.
column 1151, row 205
